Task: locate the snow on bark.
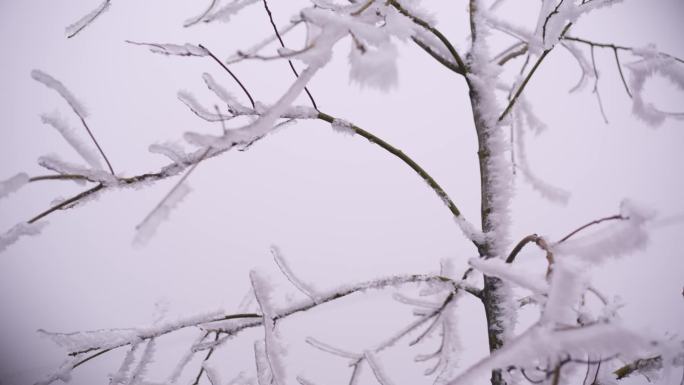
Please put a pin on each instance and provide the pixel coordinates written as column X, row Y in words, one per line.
column 88, row 154
column 18, row 231
column 8, row 186
column 470, row 231
column 83, row 22
column 343, row 127
column 497, row 170
column 56, row 85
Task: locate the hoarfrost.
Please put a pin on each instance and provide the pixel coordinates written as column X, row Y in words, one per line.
column 377, row 368
column 497, row 170
column 53, row 163
column 264, row 375
column 13, row 184
column 169, row 49
column 284, row 267
column 618, row 239
column 233, row 104
column 112, row 338
column 139, row 372
column 653, row 64
column 274, row 349
column 567, row 286
column 88, row 154
column 375, row 68
column 121, row 375
column 189, row 100
column 62, row 374
column 469, row 230
column 541, row 343
column 172, row 151
column 56, row 85
column 587, row 70
column 331, row 349
column 512, row 273
column 20, row 230
column 343, row 127
column 552, row 193
column 146, row 229
column 224, row 13
column 83, row 22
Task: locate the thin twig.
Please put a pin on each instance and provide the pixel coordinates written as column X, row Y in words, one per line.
column 511, row 103
column 592, row 223
column 217, row 60
column 446, row 63
column 90, row 133
column 282, row 44
column 209, row 353
column 523, row 85
column 406, row 159
column 67, row 202
column 58, row 177
column 434, row 31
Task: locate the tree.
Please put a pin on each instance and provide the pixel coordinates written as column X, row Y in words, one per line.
column 574, row 325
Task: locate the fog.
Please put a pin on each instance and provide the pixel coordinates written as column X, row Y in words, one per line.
column 340, row 209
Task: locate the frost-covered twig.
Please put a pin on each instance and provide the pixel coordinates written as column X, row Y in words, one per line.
column 462, row 69
column 465, row 226
column 73, row 29
column 532, row 238
column 237, row 80
column 76, row 106
column 206, row 358
column 592, row 223
column 287, row 272
column 282, row 44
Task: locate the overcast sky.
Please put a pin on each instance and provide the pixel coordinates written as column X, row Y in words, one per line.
column 339, row 208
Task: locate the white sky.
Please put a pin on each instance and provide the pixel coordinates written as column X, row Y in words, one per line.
column 339, row 208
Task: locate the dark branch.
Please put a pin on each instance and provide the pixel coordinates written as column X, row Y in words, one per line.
column 217, row 60
column 461, row 65
column 592, row 223
column 282, row 44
